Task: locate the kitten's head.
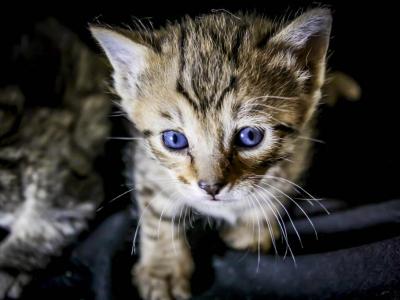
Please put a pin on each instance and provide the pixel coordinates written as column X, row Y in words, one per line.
column 220, row 99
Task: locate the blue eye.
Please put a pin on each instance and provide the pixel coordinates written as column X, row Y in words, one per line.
column 174, row 140
column 249, row 137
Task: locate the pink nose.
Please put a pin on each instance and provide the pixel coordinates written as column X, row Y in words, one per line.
column 211, row 188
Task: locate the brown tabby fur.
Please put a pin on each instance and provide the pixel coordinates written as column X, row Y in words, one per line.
column 208, row 77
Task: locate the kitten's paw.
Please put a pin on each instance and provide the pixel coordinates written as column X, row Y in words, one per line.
column 243, row 237
column 12, row 286
column 16, row 289
column 6, row 281
column 158, row 283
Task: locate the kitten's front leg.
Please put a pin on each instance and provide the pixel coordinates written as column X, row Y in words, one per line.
column 12, row 286
column 165, row 264
column 252, row 232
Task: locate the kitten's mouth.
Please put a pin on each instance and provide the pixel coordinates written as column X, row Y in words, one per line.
column 213, row 198
column 216, row 199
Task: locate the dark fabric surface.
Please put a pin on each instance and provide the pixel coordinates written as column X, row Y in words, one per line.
column 362, row 272
column 356, row 256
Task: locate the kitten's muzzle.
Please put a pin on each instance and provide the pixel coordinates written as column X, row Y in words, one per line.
column 210, row 187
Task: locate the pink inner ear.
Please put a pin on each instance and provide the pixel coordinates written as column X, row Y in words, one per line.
column 127, row 57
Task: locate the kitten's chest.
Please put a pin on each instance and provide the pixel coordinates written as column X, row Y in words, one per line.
column 230, row 214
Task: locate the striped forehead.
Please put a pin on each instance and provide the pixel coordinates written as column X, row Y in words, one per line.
column 208, row 63
column 212, row 128
column 215, row 61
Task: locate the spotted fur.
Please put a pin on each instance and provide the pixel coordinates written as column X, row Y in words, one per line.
column 208, row 77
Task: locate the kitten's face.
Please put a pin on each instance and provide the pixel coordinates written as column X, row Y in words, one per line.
column 220, row 100
column 210, row 142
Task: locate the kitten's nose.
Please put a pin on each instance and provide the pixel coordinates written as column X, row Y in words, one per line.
column 211, row 188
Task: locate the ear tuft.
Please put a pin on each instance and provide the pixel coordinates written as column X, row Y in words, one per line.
column 308, row 36
column 128, row 58
column 313, row 24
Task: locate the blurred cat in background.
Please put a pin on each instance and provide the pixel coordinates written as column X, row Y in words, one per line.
column 49, row 188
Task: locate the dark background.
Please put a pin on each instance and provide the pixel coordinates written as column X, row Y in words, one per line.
column 359, row 161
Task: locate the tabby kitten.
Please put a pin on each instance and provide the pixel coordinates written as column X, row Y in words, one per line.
column 224, row 105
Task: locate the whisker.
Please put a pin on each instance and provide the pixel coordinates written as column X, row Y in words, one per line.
column 297, row 188
column 248, row 105
column 308, row 199
column 124, row 138
column 289, row 217
column 259, row 245
column 302, row 210
column 273, row 97
column 115, row 198
column 279, row 219
column 249, row 205
column 116, row 103
column 310, row 139
column 270, row 229
column 138, row 226
column 226, row 11
column 160, row 218
column 190, row 220
column 302, row 190
column 270, row 117
column 116, row 115
column 173, row 222
column 289, row 248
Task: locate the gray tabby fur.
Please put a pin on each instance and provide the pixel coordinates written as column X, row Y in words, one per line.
column 48, row 186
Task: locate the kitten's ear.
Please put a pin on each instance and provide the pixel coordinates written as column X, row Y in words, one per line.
column 308, row 35
column 127, row 57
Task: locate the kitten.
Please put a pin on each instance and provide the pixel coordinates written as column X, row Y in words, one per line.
column 224, row 104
